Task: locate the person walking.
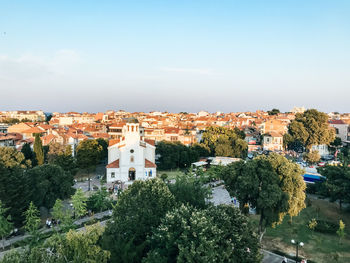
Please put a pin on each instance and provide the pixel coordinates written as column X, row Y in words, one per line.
column 285, row 260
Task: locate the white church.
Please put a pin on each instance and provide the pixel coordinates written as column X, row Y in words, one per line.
column 132, row 157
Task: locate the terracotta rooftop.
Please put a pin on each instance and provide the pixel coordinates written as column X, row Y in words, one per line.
column 114, row 164
column 149, row 164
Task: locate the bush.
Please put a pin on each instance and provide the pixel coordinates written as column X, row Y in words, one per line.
column 326, row 227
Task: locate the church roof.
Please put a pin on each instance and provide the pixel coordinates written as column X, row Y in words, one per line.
column 113, row 141
column 114, row 164
column 149, row 141
column 149, row 164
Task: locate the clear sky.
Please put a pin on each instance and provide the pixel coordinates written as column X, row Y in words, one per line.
column 183, row 55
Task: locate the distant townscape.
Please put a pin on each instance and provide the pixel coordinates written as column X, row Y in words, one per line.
column 252, row 187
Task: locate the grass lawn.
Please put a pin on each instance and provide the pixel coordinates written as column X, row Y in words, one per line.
column 318, row 247
column 171, row 173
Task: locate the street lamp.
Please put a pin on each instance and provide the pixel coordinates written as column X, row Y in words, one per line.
column 297, row 245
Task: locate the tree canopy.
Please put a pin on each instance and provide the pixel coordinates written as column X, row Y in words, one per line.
column 222, row 141
column 139, row 209
column 10, row 158
column 272, row 185
column 38, row 150
column 218, row 234
column 49, row 182
column 311, row 128
column 273, row 112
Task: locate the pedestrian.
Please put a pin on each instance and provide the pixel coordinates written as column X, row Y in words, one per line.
column 285, row 260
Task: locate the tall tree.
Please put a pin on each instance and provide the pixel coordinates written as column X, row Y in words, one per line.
column 337, row 184
column 5, row 223
column 32, row 223
column 273, row 112
column 89, row 156
column 28, row 153
column 10, row 158
column 273, row 185
column 221, row 140
column 38, row 149
column 64, row 216
column 219, row 234
column 188, row 189
column 50, row 182
column 139, row 209
column 79, row 203
column 311, row 128
column 312, row 157
column 15, row 192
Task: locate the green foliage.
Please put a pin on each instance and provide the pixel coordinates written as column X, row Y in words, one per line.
column 28, row 153
column 311, row 128
column 99, row 201
column 5, row 223
column 104, row 144
column 89, row 154
column 273, row 112
column 312, row 157
column 38, row 149
column 15, row 191
column 139, row 209
column 62, row 156
column 222, row 141
column 48, row 183
column 273, row 185
column 189, row 190
column 75, row 246
column 312, row 224
column 176, row 155
column 10, row 158
column 79, row 203
column 327, row 227
column 337, row 184
column 63, row 215
column 219, row 234
column 32, row 223
column 15, row 256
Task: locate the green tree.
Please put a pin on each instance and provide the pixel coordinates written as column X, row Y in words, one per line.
column 38, row 149
column 311, row 128
column 63, row 215
column 189, row 190
column 337, row 184
column 99, row 201
column 312, row 157
column 5, row 224
column 273, row 112
column 219, row 234
column 10, row 158
column 79, row 203
column 28, row 153
column 139, row 209
column 273, row 185
column 15, row 192
column 104, row 144
column 48, row 183
column 75, row 246
column 89, row 155
column 215, row 138
column 32, row 223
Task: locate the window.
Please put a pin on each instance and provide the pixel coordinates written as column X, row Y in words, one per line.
column 131, row 159
column 112, row 174
column 132, row 151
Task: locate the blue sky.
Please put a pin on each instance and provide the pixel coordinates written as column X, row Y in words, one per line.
column 174, row 55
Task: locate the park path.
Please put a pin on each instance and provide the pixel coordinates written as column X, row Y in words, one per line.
column 44, row 230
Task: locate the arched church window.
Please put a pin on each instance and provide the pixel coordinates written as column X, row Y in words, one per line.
column 131, row 159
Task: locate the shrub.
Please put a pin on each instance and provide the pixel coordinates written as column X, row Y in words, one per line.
column 326, row 227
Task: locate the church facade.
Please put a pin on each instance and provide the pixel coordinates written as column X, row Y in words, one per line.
column 132, row 157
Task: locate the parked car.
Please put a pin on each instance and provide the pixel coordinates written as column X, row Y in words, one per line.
column 321, row 164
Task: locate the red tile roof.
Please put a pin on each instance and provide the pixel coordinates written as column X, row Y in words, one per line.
column 113, row 142
column 149, row 141
column 336, row 122
column 149, row 164
column 33, row 130
column 114, row 164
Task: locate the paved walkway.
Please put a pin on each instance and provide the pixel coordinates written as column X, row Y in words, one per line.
column 270, row 257
column 78, row 222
